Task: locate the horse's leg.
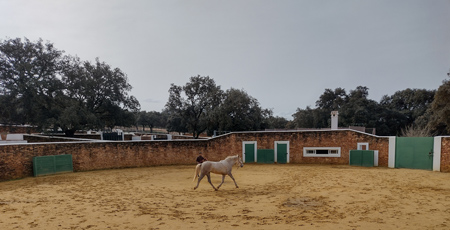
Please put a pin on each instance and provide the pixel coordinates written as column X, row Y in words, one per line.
column 223, row 179
column 199, row 179
column 197, row 171
column 209, row 180
column 229, row 174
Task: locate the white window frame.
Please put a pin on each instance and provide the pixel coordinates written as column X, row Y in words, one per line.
column 360, row 145
column 306, row 154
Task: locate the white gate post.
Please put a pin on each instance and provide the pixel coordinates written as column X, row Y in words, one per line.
column 437, row 154
column 391, row 160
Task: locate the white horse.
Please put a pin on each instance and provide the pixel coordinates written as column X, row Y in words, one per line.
column 222, row 167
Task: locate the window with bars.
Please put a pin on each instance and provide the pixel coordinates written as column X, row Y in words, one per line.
column 322, row 151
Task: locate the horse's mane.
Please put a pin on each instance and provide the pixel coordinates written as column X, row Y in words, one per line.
column 228, row 157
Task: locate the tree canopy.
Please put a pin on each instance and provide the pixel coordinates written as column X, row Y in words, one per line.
column 194, row 104
column 240, row 112
column 439, row 122
column 393, row 113
column 151, row 119
column 41, row 86
column 29, row 81
column 99, row 90
column 201, row 106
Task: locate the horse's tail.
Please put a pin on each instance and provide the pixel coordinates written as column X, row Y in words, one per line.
column 197, row 171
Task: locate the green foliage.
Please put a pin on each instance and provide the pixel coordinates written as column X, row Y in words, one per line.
column 239, row 112
column 410, row 103
column 276, row 122
column 415, row 131
column 439, row 122
column 389, row 117
column 193, row 104
column 39, row 86
column 152, row 119
column 101, row 90
column 311, row 118
column 359, row 110
column 176, row 123
column 201, row 106
column 405, row 109
column 28, row 81
column 332, row 100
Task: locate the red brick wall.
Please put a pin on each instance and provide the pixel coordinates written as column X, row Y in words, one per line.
column 445, row 154
column 62, row 138
column 17, row 129
column 347, row 140
column 42, row 138
column 16, row 160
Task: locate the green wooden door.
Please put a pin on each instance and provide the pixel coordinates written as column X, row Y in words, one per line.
column 249, row 152
column 266, row 156
column 414, row 152
column 282, row 153
column 363, row 158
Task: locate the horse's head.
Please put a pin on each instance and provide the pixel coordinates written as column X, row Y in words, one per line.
column 239, row 162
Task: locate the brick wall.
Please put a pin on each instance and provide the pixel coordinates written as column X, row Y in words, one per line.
column 17, row 129
column 41, row 138
column 347, row 140
column 34, row 138
column 445, row 154
column 16, row 160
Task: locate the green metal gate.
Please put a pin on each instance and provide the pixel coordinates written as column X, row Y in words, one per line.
column 45, row 165
column 266, row 156
column 414, row 152
column 362, row 158
column 282, row 152
column 249, row 152
column 114, row 136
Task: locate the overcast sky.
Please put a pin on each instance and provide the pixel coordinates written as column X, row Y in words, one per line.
column 283, row 53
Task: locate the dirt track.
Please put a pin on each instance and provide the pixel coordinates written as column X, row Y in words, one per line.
column 269, row 197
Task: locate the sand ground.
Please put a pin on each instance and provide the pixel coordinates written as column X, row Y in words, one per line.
column 270, row 197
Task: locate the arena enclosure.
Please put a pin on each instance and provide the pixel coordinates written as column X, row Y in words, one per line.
column 293, row 147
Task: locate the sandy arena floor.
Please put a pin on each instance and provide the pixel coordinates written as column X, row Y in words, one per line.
column 270, row 197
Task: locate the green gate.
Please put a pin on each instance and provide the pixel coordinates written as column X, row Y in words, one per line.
column 266, row 156
column 114, row 136
column 45, row 165
column 414, row 152
column 282, row 152
column 362, row 158
column 249, row 152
